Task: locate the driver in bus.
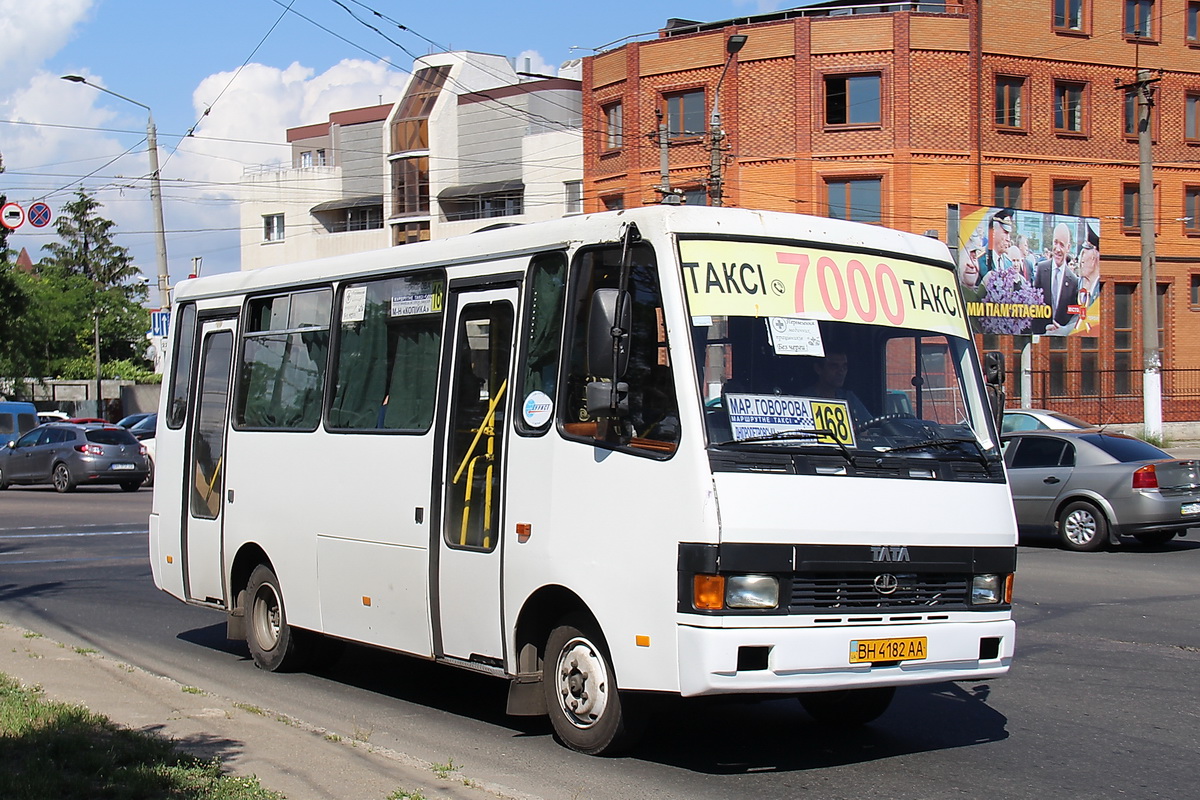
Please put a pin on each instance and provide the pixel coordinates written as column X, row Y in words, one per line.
column 831, row 374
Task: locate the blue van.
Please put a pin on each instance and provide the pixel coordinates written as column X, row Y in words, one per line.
column 15, row 419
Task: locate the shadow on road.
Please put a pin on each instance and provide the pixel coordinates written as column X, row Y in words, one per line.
column 718, row 736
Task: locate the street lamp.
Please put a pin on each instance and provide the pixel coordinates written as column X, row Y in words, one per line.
column 716, row 133
column 164, row 278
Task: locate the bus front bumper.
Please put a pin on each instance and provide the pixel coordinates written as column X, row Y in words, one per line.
column 793, row 660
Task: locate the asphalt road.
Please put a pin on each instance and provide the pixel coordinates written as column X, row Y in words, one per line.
column 1100, row 703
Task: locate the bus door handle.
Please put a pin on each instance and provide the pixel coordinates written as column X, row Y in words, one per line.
column 1049, row 479
column 229, row 495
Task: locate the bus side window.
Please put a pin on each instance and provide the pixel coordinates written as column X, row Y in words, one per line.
column 181, row 366
column 546, row 290
column 652, row 425
column 386, row 372
column 286, row 342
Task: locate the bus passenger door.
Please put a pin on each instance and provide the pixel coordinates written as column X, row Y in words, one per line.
column 205, row 475
column 467, row 601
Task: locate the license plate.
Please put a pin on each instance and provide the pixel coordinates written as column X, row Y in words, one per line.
column 872, row 650
column 1190, row 508
column 124, row 466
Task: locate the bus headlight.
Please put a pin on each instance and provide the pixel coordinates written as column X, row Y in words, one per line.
column 751, row 591
column 991, row 589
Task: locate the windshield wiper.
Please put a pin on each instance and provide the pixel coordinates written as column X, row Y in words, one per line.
column 942, row 442
column 809, row 435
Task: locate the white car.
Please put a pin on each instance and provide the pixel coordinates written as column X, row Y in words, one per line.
column 1039, row 419
column 51, row 416
column 149, row 445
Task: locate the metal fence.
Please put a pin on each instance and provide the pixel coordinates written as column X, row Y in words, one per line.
column 1112, row 396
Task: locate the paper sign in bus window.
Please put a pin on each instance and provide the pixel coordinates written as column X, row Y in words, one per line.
column 354, row 304
column 759, row 415
column 795, row 337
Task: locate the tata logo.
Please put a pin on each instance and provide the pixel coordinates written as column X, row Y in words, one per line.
column 886, row 584
column 889, row 553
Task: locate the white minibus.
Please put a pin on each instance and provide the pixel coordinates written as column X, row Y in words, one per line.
column 670, row 450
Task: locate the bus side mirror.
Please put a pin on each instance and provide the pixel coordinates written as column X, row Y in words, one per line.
column 993, row 376
column 993, row 369
column 608, row 334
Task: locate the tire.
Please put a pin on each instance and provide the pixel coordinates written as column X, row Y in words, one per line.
column 272, row 642
column 61, row 478
column 131, row 486
column 3, row 482
column 1155, row 538
column 1082, row 527
column 848, row 708
column 588, row 712
column 149, row 481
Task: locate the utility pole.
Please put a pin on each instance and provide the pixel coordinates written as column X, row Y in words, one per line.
column 716, row 132
column 1151, row 357
column 664, row 163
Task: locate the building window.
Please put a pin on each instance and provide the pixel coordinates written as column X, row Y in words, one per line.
column 410, row 128
column 1122, row 331
column 1068, row 15
column 1089, row 365
column 410, row 186
column 273, row 227
column 1191, row 125
column 1191, row 210
column 1058, row 366
column 614, row 202
column 1193, row 23
column 853, row 100
column 1007, row 192
column 1010, row 102
column 306, row 159
column 1068, row 197
column 614, row 126
column 1139, row 19
column 1069, row 108
column 573, row 198
column 410, row 233
column 368, row 218
column 484, row 206
column 1194, row 293
column 1131, row 208
column 855, row 199
column 685, row 114
column 1130, row 114
column 321, row 158
column 695, row 197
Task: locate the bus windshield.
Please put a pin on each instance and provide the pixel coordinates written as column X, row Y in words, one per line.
column 802, row 347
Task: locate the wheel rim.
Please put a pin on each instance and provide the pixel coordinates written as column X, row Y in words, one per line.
column 266, row 617
column 61, row 477
column 582, row 679
column 1079, row 527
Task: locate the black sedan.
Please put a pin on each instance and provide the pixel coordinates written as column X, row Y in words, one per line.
column 1092, row 487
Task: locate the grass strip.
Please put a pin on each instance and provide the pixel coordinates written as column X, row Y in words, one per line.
column 62, row 751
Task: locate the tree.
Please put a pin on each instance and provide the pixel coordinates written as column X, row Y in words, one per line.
column 83, row 280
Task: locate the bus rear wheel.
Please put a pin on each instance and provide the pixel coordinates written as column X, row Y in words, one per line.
column 848, row 708
column 589, row 714
column 271, row 640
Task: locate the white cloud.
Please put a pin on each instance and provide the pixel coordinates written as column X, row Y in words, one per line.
column 33, row 31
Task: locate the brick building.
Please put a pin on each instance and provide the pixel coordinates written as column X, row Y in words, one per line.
column 896, row 113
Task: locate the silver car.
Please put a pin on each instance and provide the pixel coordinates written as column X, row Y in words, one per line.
column 1035, row 419
column 1092, row 487
column 67, row 455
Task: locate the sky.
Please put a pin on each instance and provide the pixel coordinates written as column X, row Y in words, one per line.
column 257, row 67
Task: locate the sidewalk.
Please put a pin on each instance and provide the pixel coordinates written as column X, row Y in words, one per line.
column 286, row 754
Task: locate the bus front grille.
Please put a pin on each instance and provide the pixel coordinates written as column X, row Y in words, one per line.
column 882, row 591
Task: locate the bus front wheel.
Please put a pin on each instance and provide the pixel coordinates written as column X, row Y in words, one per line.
column 587, row 711
column 271, row 640
column 848, row 708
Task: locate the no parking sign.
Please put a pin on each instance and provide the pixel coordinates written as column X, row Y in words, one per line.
column 39, row 215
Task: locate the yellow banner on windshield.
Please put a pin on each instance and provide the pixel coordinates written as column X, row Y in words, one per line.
column 757, row 279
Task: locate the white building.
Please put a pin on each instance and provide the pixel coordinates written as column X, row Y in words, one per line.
column 470, row 143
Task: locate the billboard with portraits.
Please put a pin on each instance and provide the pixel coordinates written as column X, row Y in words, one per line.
column 1029, row 273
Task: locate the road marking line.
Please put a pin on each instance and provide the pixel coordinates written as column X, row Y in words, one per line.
column 143, row 531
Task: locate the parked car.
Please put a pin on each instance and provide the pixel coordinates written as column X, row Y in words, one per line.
column 86, row 420
column 146, row 427
column 52, row 416
column 67, row 455
column 133, row 419
column 16, row 418
column 1040, row 419
column 1092, row 487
